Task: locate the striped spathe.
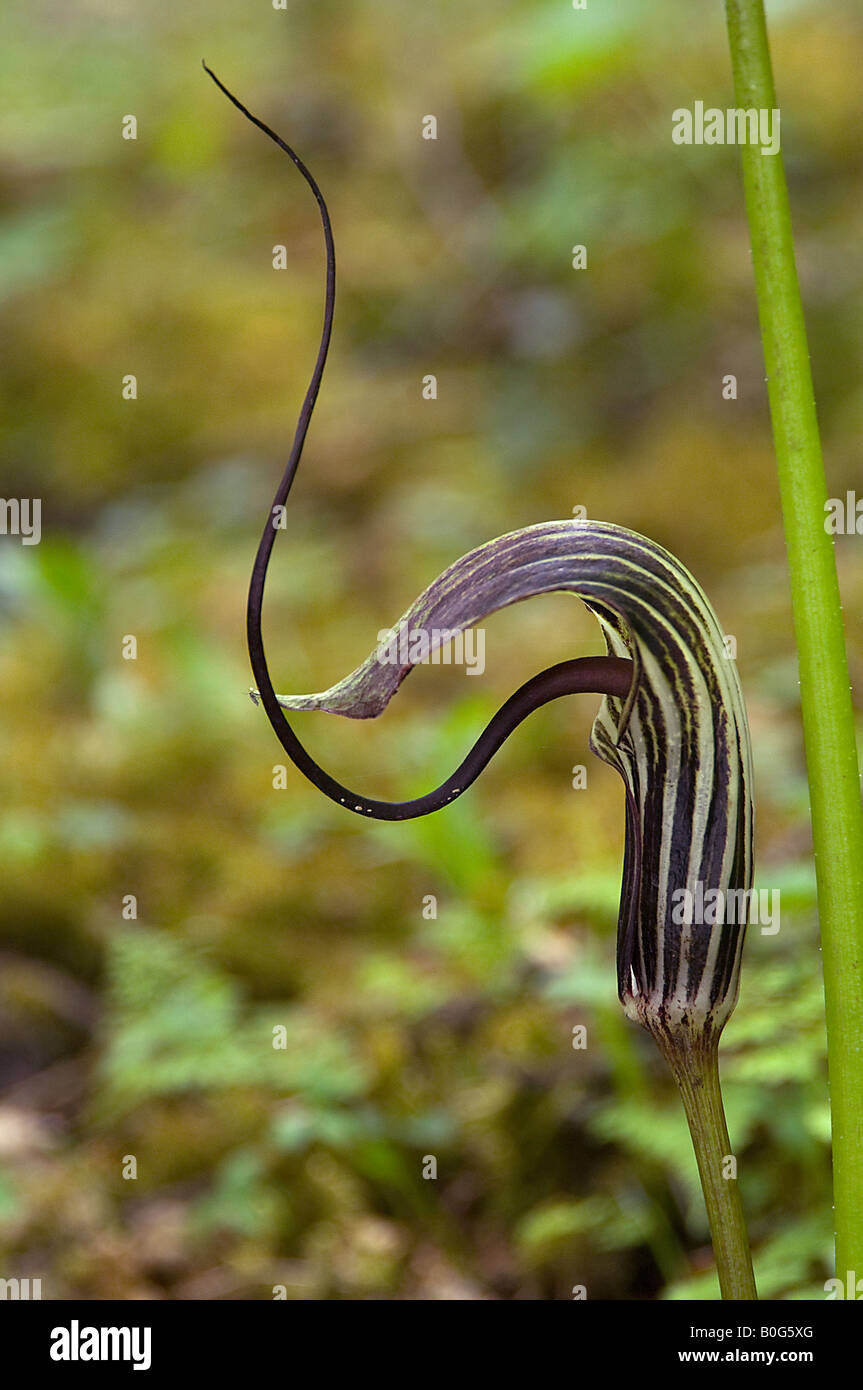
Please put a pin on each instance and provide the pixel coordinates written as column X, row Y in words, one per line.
column 680, row 741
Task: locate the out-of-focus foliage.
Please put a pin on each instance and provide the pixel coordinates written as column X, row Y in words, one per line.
column 308, row 1008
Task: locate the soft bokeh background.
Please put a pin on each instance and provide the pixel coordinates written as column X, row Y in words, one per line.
column 406, row 1037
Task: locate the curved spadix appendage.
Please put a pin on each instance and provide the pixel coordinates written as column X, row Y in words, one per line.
column 679, row 739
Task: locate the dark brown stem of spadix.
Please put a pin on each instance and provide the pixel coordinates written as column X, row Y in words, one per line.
column 600, row 675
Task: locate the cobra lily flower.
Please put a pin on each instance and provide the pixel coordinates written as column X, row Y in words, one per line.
column 672, row 722
column 678, row 737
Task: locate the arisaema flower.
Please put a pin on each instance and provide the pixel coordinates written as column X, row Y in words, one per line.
column 672, row 722
column 678, row 737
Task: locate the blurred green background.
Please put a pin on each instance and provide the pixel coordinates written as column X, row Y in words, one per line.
column 405, row 1036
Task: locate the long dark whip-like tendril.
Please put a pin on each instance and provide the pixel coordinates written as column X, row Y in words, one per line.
column 600, row 675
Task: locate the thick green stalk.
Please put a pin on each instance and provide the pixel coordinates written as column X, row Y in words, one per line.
column 695, row 1064
column 828, row 722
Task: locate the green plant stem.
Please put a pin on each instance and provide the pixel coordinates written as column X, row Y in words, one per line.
column 695, row 1064
column 828, row 721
